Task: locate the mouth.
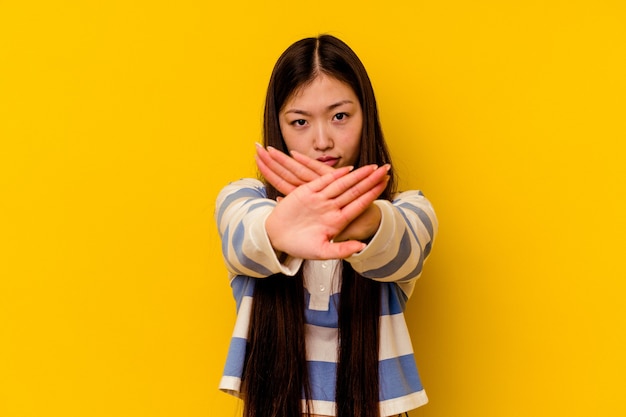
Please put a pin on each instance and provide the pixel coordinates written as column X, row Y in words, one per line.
column 329, row 160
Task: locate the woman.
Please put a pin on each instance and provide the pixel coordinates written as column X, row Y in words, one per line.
column 322, row 257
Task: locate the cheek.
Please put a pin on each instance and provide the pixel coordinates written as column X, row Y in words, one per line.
column 282, row 127
column 284, row 131
column 351, row 147
column 289, row 142
column 357, row 132
column 354, row 141
column 293, row 143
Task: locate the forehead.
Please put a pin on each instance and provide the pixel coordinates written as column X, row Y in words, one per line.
column 323, row 89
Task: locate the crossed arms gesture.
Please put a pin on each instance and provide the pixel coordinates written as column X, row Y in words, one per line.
column 326, row 212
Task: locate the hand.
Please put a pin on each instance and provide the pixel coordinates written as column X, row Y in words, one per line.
column 286, row 174
column 306, row 221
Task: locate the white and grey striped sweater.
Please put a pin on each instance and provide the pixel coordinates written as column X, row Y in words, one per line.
column 394, row 256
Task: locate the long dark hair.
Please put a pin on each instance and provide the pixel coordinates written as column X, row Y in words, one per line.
column 275, row 375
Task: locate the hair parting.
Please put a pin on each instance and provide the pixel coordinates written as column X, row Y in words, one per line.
column 276, row 377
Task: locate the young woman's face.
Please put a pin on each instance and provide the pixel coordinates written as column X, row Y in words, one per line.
column 323, row 120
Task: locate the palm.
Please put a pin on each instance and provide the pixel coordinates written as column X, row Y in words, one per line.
column 287, row 174
column 306, row 221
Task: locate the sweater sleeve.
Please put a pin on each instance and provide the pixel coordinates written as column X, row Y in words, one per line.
column 241, row 210
column 397, row 251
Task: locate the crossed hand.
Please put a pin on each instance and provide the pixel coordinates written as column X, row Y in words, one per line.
column 326, row 211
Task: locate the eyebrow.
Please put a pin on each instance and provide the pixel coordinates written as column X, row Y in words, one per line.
column 331, row 107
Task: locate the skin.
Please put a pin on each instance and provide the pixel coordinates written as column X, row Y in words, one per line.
column 305, row 222
column 323, row 120
column 328, row 209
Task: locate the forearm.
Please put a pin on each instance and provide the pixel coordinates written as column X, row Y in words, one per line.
column 241, row 212
column 363, row 227
column 401, row 244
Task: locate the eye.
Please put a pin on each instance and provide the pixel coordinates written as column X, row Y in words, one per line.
column 341, row 116
column 299, row 122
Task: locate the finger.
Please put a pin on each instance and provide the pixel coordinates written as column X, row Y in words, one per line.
column 270, row 176
column 277, row 169
column 295, row 168
column 345, row 183
column 354, row 209
column 313, row 164
column 364, row 186
column 342, row 250
column 325, row 180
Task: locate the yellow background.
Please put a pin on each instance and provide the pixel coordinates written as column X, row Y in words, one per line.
column 121, row 120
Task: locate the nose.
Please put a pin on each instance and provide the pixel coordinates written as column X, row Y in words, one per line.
column 323, row 139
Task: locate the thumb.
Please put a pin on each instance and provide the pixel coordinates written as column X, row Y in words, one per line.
column 345, row 249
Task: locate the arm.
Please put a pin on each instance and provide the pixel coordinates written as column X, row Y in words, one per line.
column 401, row 232
column 288, row 173
column 398, row 250
column 261, row 237
column 306, row 222
column 241, row 211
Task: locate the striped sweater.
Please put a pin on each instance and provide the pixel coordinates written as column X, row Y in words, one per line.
column 394, row 256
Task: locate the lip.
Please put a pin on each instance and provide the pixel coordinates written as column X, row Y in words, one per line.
column 329, row 160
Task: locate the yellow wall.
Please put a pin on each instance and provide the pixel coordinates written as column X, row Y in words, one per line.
column 121, row 120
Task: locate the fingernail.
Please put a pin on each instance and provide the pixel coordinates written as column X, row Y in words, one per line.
column 351, row 167
column 387, row 167
column 258, row 145
column 271, row 148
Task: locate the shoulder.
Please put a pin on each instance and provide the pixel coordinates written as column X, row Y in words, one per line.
column 408, row 195
column 250, row 187
column 415, row 201
column 238, row 193
column 251, row 183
